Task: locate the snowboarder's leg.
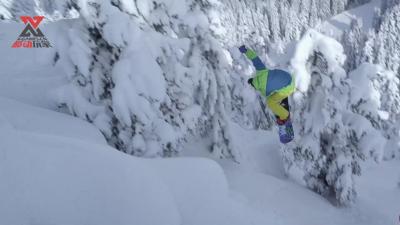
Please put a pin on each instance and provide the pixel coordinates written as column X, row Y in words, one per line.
column 284, row 104
column 279, row 105
column 274, row 103
column 278, row 102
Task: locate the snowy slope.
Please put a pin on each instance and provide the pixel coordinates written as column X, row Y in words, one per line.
column 335, row 26
column 296, row 205
column 54, row 177
column 43, row 169
column 259, row 181
column 56, row 180
column 27, row 75
column 379, row 190
column 23, row 117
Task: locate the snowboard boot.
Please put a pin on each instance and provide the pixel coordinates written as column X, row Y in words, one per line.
column 282, row 122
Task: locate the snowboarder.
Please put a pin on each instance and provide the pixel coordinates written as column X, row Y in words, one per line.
column 276, row 85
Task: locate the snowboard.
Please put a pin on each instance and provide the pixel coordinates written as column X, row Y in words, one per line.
column 286, row 133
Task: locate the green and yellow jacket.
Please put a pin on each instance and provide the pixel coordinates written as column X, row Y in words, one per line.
column 267, row 81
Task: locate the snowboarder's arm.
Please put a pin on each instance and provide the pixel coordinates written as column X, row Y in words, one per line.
column 258, row 64
column 250, row 54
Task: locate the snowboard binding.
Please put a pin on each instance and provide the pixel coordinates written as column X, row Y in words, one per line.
column 285, row 127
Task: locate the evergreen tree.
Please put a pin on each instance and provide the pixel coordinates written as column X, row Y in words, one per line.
column 270, row 22
column 147, row 98
column 368, row 52
column 387, row 5
column 353, row 43
column 389, row 49
column 382, row 47
column 376, row 96
column 332, row 141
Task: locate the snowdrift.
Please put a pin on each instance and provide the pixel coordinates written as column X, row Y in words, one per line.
column 49, row 176
column 22, row 117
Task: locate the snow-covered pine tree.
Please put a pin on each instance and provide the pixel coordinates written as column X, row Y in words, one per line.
column 368, row 53
column 338, row 6
column 353, row 41
column 101, row 50
column 148, row 74
column 376, row 96
column 388, row 5
column 331, row 140
column 382, row 47
column 269, row 23
column 5, row 12
column 377, row 19
column 52, row 10
column 354, row 3
column 200, row 75
column 388, row 40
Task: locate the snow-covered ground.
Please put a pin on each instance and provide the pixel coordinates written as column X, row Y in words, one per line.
column 26, row 74
column 57, row 169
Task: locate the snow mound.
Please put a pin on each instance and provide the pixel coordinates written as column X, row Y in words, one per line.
column 42, row 121
column 56, row 180
column 28, row 75
column 51, row 177
column 201, row 191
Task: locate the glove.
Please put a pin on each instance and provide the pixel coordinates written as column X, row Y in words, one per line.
column 243, row 49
